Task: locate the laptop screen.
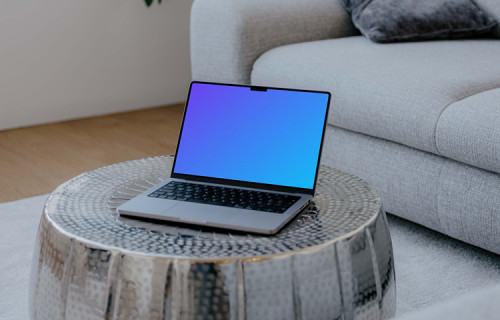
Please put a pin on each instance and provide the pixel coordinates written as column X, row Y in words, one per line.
column 252, row 134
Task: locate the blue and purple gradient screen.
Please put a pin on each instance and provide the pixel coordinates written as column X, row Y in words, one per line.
column 272, row 137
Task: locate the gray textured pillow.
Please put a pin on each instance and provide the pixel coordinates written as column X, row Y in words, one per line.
column 407, row 20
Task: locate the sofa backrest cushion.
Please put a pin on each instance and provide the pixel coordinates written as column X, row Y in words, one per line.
column 409, row 20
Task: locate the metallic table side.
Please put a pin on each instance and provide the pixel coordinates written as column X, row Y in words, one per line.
column 334, row 261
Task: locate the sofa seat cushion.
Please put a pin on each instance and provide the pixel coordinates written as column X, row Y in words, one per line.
column 396, row 92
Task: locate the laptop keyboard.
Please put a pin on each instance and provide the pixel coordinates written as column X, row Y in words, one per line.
column 226, row 196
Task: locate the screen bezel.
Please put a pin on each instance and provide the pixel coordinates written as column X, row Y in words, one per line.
column 246, row 184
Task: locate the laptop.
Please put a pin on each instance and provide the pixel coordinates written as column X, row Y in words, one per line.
column 247, row 159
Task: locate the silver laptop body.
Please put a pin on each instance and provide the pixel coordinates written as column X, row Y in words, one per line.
column 263, row 141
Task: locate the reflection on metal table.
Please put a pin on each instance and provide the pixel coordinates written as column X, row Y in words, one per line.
column 333, row 261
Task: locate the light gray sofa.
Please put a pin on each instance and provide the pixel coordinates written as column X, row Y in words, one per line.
column 419, row 121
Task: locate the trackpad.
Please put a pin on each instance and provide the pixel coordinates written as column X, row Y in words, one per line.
column 200, row 212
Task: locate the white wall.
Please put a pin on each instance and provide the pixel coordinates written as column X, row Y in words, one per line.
column 64, row 59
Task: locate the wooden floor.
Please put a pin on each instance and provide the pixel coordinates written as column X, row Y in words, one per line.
column 35, row 160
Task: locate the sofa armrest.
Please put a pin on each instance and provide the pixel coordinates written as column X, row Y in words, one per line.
column 227, row 36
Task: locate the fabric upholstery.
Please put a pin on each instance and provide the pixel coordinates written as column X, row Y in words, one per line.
column 408, row 20
column 469, row 131
column 227, row 36
column 447, row 196
column 391, row 91
column 492, row 7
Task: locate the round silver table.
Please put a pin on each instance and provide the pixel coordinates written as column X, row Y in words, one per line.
column 334, row 261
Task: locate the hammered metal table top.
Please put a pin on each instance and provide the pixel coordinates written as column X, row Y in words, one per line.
column 84, row 208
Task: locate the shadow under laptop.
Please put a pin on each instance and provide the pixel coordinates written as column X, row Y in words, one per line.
column 308, row 217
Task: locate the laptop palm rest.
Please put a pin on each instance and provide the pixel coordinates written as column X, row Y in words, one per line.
column 187, row 211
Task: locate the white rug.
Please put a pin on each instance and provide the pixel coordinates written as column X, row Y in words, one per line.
column 430, row 267
column 18, row 231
